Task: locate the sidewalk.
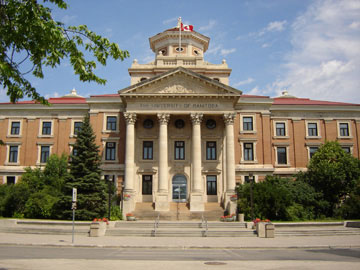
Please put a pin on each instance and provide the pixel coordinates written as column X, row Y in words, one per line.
column 300, row 242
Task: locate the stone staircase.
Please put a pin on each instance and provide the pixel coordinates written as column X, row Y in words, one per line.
column 178, row 211
column 181, row 229
column 314, row 229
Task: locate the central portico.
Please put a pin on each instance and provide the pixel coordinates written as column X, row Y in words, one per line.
column 179, row 128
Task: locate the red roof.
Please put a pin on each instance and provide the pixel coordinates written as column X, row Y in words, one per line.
column 307, row 101
column 67, row 100
column 60, row 100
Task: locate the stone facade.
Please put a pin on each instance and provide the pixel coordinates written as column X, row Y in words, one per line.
column 179, row 132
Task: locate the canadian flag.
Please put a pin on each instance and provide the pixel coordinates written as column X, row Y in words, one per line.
column 185, row 27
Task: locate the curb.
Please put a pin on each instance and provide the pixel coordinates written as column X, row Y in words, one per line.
column 181, row 247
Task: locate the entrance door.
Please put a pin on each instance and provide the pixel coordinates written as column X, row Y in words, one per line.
column 179, row 188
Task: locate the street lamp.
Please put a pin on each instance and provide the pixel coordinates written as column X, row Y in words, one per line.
column 110, row 181
column 251, row 179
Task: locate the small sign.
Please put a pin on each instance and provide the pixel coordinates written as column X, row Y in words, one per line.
column 74, row 194
column 73, row 206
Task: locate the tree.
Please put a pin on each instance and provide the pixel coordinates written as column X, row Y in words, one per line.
column 37, row 191
column 333, row 173
column 279, row 198
column 85, row 175
column 31, row 39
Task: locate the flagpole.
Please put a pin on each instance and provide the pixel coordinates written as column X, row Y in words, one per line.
column 179, row 24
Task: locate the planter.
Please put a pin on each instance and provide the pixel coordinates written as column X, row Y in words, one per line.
column 233, row 199
column 126, row 198
column 130, row 218
column 97, row 229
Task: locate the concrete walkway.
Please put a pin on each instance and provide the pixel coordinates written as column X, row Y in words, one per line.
column 301, row 242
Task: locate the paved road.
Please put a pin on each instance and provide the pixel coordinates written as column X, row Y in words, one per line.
column 71, row 258
column 23, row 252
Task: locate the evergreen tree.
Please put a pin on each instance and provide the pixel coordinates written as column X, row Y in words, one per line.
column 85, row 175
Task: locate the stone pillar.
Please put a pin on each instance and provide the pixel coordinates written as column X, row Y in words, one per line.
column 230, row 163
column 162, row 197
column 129, row 205
column 196, row 197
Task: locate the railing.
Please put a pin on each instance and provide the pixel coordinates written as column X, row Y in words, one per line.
column 204, row 224
column 156, row 225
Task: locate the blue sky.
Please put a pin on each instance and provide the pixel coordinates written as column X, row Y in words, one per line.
column 309, row 47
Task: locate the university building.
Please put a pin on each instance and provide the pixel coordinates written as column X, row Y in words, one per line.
column 179, row 132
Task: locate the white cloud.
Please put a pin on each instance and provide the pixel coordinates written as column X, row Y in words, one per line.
column 169, row 21
column 209, row 26
column 53, row 95
column 214, row 50
column 325, row 60
column 68, row 19
column 247, row 81
column 225, row 52
column 276, row 26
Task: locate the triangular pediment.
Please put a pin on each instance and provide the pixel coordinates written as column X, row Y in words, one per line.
column 180, row 82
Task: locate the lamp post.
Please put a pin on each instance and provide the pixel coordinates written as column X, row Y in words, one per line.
column 251, row 179
column 110, row 181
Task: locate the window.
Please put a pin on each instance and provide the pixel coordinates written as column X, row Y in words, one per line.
column 248, row 123
column 110, row 151
column 75, row 152
column 45, row 153
column 147, row 184
column 77, row 127
column 281, row 155
column 111, row 122
column 344, row 129
column 147, row 150
column 248, row 151
column 10, row 180
column 15, row 128
column 211, row 187
column 46, row 128
column 347, row 149
column 280, row 129
column 148, row 123
column 179, row 150
column 312, row 151
column 210, row 150
column 312, row 129
column 13, row 154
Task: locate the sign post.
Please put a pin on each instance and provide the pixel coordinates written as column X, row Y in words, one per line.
column 73, row 207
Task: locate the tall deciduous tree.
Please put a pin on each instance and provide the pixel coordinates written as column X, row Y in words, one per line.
column 85, row 175
column 334, row 173
column 31, row 39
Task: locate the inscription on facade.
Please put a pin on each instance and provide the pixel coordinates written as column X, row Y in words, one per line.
column 179, row 106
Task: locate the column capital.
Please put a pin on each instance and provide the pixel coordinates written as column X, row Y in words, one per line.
column 196, row 118
column 163, row 118
column 229, row 118
column 130, row 118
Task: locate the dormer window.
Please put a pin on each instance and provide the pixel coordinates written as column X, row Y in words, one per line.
column 216, row 79
column 196, row 52
column 143, row 79
column 179, row 49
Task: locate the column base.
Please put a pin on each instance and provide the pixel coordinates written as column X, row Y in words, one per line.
column 128, row 204
column 230, row 205
column 197, row 202
column 162, row 202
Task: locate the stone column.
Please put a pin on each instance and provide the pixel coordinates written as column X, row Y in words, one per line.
column 196, row 198
column 129, row 205
column 230, row 162
column 162, row 200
